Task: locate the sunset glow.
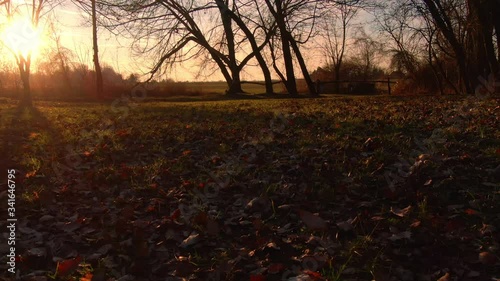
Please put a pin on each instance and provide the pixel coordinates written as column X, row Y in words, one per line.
column 22, row 38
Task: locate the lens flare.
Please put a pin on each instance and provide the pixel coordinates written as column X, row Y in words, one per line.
column 21, row 37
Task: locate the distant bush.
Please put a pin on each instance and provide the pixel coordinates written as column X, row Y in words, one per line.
column 422, row 82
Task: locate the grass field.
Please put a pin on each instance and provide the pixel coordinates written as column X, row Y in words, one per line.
column 221, row 87
column 358, row 188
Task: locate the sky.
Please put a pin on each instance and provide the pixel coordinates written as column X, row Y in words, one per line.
column 73, row 26
column 76, row 34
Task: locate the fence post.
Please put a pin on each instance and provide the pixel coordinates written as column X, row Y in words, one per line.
column 389, row 85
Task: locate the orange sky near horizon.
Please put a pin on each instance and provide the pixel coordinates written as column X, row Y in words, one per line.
column 73, row 26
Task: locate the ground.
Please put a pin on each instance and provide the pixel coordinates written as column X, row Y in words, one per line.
column 361, row 188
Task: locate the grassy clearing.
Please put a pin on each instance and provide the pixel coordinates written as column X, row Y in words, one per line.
column 221, row 87
column 333, row 188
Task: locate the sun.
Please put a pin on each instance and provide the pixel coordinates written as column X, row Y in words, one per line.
column 21, row 37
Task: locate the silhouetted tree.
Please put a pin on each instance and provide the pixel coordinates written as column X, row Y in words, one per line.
column 95, row 47
column 34, row 12
column 295, row 20
column 335, row 24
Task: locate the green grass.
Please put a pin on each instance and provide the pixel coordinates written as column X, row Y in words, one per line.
column 345, row 158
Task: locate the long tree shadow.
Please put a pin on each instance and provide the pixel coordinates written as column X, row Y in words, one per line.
column 161, row 163
column 28, row 143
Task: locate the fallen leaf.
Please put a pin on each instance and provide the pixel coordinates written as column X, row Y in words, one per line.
column 415, row 224
column 175, row 215
column 68, row 266
column 272, row 245
column 487, row 258
column 312, row 221
column 445, row 277
column 314, row 275
column 401, row 212
column 258, row 204
column 302, row 277
column 471, row 212
column 87, row 277
column 257, row 277
column 122, row 133
column 30, row 174
column 345, row 226
column 487, row 229
column 34, row 135
column 191, row 240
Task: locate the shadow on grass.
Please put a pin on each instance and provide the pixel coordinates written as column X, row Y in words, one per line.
column 221, row 97
column 28, row 141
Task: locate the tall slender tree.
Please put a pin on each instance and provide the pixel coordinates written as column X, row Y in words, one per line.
column 92, row 10
column 335, row 25
column 95, row 47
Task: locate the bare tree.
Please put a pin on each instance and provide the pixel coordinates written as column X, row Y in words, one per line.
column 335, row 24
column 95, row 47
column 92, row 10
column 397, row 20
column 60, row 56
column 443, row 22
column 213, row 33
column 236, row 15
column 367, row 51
column 481, row 23
column 442, row 30
column 472, row 45
column 34, row 12
column 295, row 20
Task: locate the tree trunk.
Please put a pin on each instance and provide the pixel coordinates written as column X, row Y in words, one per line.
column 24, row 71
column 444, row 25
column 483, row 59
column 224, row 9
column 235, row 87
column 290, row 83
column 310, row 84
column 340, row 57
column 97, row 66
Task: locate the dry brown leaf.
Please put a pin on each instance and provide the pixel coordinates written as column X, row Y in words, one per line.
column 191, row 240
column 487, row 258
column 312, row 221
column 445, row 277
column 401, row 212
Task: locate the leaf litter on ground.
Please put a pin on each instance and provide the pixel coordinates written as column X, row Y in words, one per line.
column 313, row 190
